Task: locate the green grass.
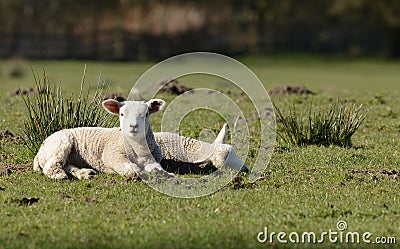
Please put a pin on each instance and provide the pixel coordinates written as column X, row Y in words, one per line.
column 304, row 188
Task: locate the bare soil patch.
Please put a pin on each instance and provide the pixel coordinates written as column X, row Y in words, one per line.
column 395, row 174
column 8, row 169
column 9, row 136
column 290, row 90
column 26, row 91
column 174, row 87
column 25, row 201
column 168, row 86
column 117, row 96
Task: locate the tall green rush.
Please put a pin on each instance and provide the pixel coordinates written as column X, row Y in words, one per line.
column 50, row 111
column 332, row 127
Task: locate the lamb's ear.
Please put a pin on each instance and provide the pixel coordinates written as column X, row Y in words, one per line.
column 112, row 106
column 155, row 105
column 222, row 135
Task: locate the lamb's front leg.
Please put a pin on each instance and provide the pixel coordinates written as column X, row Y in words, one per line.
column 148, row 163
column 122, row 165
column 126, row 168
column 130, row 169
column 157, row 169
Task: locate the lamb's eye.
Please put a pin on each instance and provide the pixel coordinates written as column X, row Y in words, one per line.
column 121, row 114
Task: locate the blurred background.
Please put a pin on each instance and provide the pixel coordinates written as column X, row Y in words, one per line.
column 153, row 30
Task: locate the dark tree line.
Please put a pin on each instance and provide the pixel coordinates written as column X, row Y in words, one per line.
column 128, row 29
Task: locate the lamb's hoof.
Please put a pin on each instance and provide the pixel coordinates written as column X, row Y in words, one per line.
column 86, row 174
column 164, row 174
column 152, row 167
column 245, row 169
column 60, row 176
column 156, row 174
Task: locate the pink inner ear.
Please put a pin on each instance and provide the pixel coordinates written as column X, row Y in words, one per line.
column 112, row 106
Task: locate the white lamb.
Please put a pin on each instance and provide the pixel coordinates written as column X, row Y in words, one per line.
column 180, row 151
column 81, row 152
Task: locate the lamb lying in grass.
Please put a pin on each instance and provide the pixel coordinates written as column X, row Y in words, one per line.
column 81, row 152
column 184, row 153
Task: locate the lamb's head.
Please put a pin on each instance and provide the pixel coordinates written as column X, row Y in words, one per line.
column 221, row 154
column 224, row 154
column 134, row 115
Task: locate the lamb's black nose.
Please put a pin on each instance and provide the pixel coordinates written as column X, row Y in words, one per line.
column 133, row 127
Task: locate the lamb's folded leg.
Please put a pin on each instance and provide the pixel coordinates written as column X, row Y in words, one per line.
column 54, row 169
column 121, row 165
column 80, row 173
column 53, row 157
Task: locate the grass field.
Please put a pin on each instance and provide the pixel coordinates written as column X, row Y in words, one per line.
column 307, row 189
